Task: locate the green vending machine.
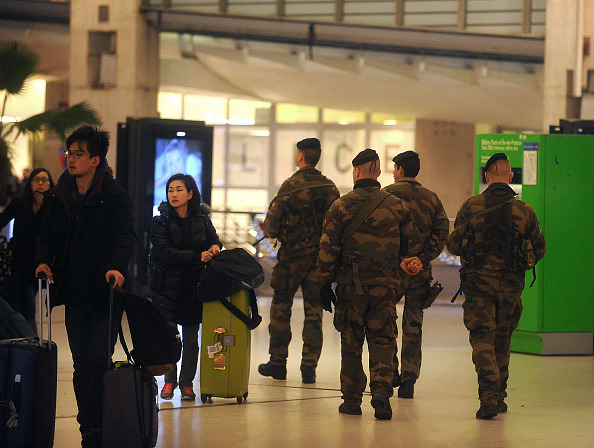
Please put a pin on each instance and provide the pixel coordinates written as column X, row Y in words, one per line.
column 555, row 175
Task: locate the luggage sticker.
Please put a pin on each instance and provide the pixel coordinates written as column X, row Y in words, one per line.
column 219, row 361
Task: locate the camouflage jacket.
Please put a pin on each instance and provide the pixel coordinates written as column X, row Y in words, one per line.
column 296, row 214
column 372, row 254
column 479, row 239
column 428, row 215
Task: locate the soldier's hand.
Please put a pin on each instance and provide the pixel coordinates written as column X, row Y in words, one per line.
column 411, row 265
column 327, row 297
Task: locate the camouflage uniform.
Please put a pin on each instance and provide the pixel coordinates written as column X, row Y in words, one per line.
column 432, row 222
column 365, row 266
column 295, row 218
column 492, row 276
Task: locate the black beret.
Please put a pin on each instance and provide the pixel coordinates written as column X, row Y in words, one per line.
column 494, row 158
column 367, row 155
column 404, row 155
column 309, row 143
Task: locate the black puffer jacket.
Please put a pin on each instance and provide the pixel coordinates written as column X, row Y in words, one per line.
column 27, row 226
column 82, row 242
column 175, row 270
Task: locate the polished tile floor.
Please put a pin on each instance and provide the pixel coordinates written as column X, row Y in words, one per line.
column 551, row 400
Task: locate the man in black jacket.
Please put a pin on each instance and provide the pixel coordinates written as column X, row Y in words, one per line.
column 86, row 238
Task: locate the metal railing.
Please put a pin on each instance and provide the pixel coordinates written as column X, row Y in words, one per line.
column 496, row 16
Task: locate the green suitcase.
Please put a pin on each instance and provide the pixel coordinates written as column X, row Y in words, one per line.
column 225, row 350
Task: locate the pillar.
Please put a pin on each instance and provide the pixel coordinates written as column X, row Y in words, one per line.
column 114, row 62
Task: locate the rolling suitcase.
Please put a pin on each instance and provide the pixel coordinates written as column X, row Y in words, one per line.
column 130, row 412
column 28, row 383
column 225, row 350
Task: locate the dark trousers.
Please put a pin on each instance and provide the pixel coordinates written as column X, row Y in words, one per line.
column 189, row 363
column 88, row 340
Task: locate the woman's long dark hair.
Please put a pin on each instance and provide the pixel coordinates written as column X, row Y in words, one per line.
column 28, row 195
column 190, row 183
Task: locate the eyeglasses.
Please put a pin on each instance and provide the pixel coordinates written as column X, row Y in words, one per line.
column 41, row 180
column 75, row 154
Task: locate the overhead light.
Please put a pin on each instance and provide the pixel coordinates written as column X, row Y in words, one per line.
column 390, row 122
column 181, row 134
column 260, row 133
column 8, row 119
column 344, row 122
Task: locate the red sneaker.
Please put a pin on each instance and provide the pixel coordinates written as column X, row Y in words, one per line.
column 187, row 393
column 167, row 391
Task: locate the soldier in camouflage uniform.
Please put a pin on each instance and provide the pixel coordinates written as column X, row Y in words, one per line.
column 433, row 225
column 498, row 238
column 361, row 252
column 295, row 217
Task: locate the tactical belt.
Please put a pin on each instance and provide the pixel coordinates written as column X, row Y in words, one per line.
column 372, row 202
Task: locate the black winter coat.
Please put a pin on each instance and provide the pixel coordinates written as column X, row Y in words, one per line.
column 27, row 226
column 82, row 242
column 175, row 268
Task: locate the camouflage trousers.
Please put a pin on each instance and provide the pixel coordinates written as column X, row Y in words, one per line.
column 287, row 277
column 370, row 315
column 492, row 310
column 415, row 290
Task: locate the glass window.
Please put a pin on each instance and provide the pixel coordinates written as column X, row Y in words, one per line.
column 286, row 141
column 249, row 112
column 247, row 164
column 343, row 116
column 338, row 149
column 211, row 110
column 390, row 119
column 247, row 200
column 295, row 113
column 169, row 105
column 388, row 144
column 218, row 157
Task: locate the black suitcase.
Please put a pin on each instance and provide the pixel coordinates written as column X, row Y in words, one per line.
column 130, row 412
column 28, row 382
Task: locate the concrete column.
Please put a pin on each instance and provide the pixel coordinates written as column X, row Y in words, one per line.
column 446, row 151
column 114, row 62
column 561, row 57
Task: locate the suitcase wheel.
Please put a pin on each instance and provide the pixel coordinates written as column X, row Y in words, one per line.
column 243, row 398
column 239, row 400
column 205, row 398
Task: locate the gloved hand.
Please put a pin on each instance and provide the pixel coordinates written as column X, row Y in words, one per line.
column 327, row 297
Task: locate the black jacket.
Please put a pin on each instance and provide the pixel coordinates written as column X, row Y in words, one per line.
column 82, row 242
column 27, row 226
column 175, row 269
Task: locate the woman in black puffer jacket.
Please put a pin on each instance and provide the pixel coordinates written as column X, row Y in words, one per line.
column 183, row 240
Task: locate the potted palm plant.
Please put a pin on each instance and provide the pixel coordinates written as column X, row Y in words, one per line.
column 18, row 64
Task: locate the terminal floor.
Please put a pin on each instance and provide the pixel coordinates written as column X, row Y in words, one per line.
column 551, row 400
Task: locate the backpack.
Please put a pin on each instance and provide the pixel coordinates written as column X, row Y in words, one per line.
column 156, row 341
column 228, row 273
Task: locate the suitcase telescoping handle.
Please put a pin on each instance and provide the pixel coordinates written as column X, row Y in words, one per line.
column 44, row 294
column 111, row 283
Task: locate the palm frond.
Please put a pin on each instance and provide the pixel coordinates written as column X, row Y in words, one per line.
column 72, row 118
column 58, row 121
column 17, row 64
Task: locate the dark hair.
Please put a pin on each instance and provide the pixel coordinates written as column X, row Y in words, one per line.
column 28, row 195
column 311, row 156
column 97, row 140
column 190, row 183
column 410, row 165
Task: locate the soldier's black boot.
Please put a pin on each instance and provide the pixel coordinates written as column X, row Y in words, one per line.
column 278, row 372
column 486, row 412
column 350, row 406
column 396, row 380
column 406, row 389
column 501, row 407
column 381, row 404
column 308, row 374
